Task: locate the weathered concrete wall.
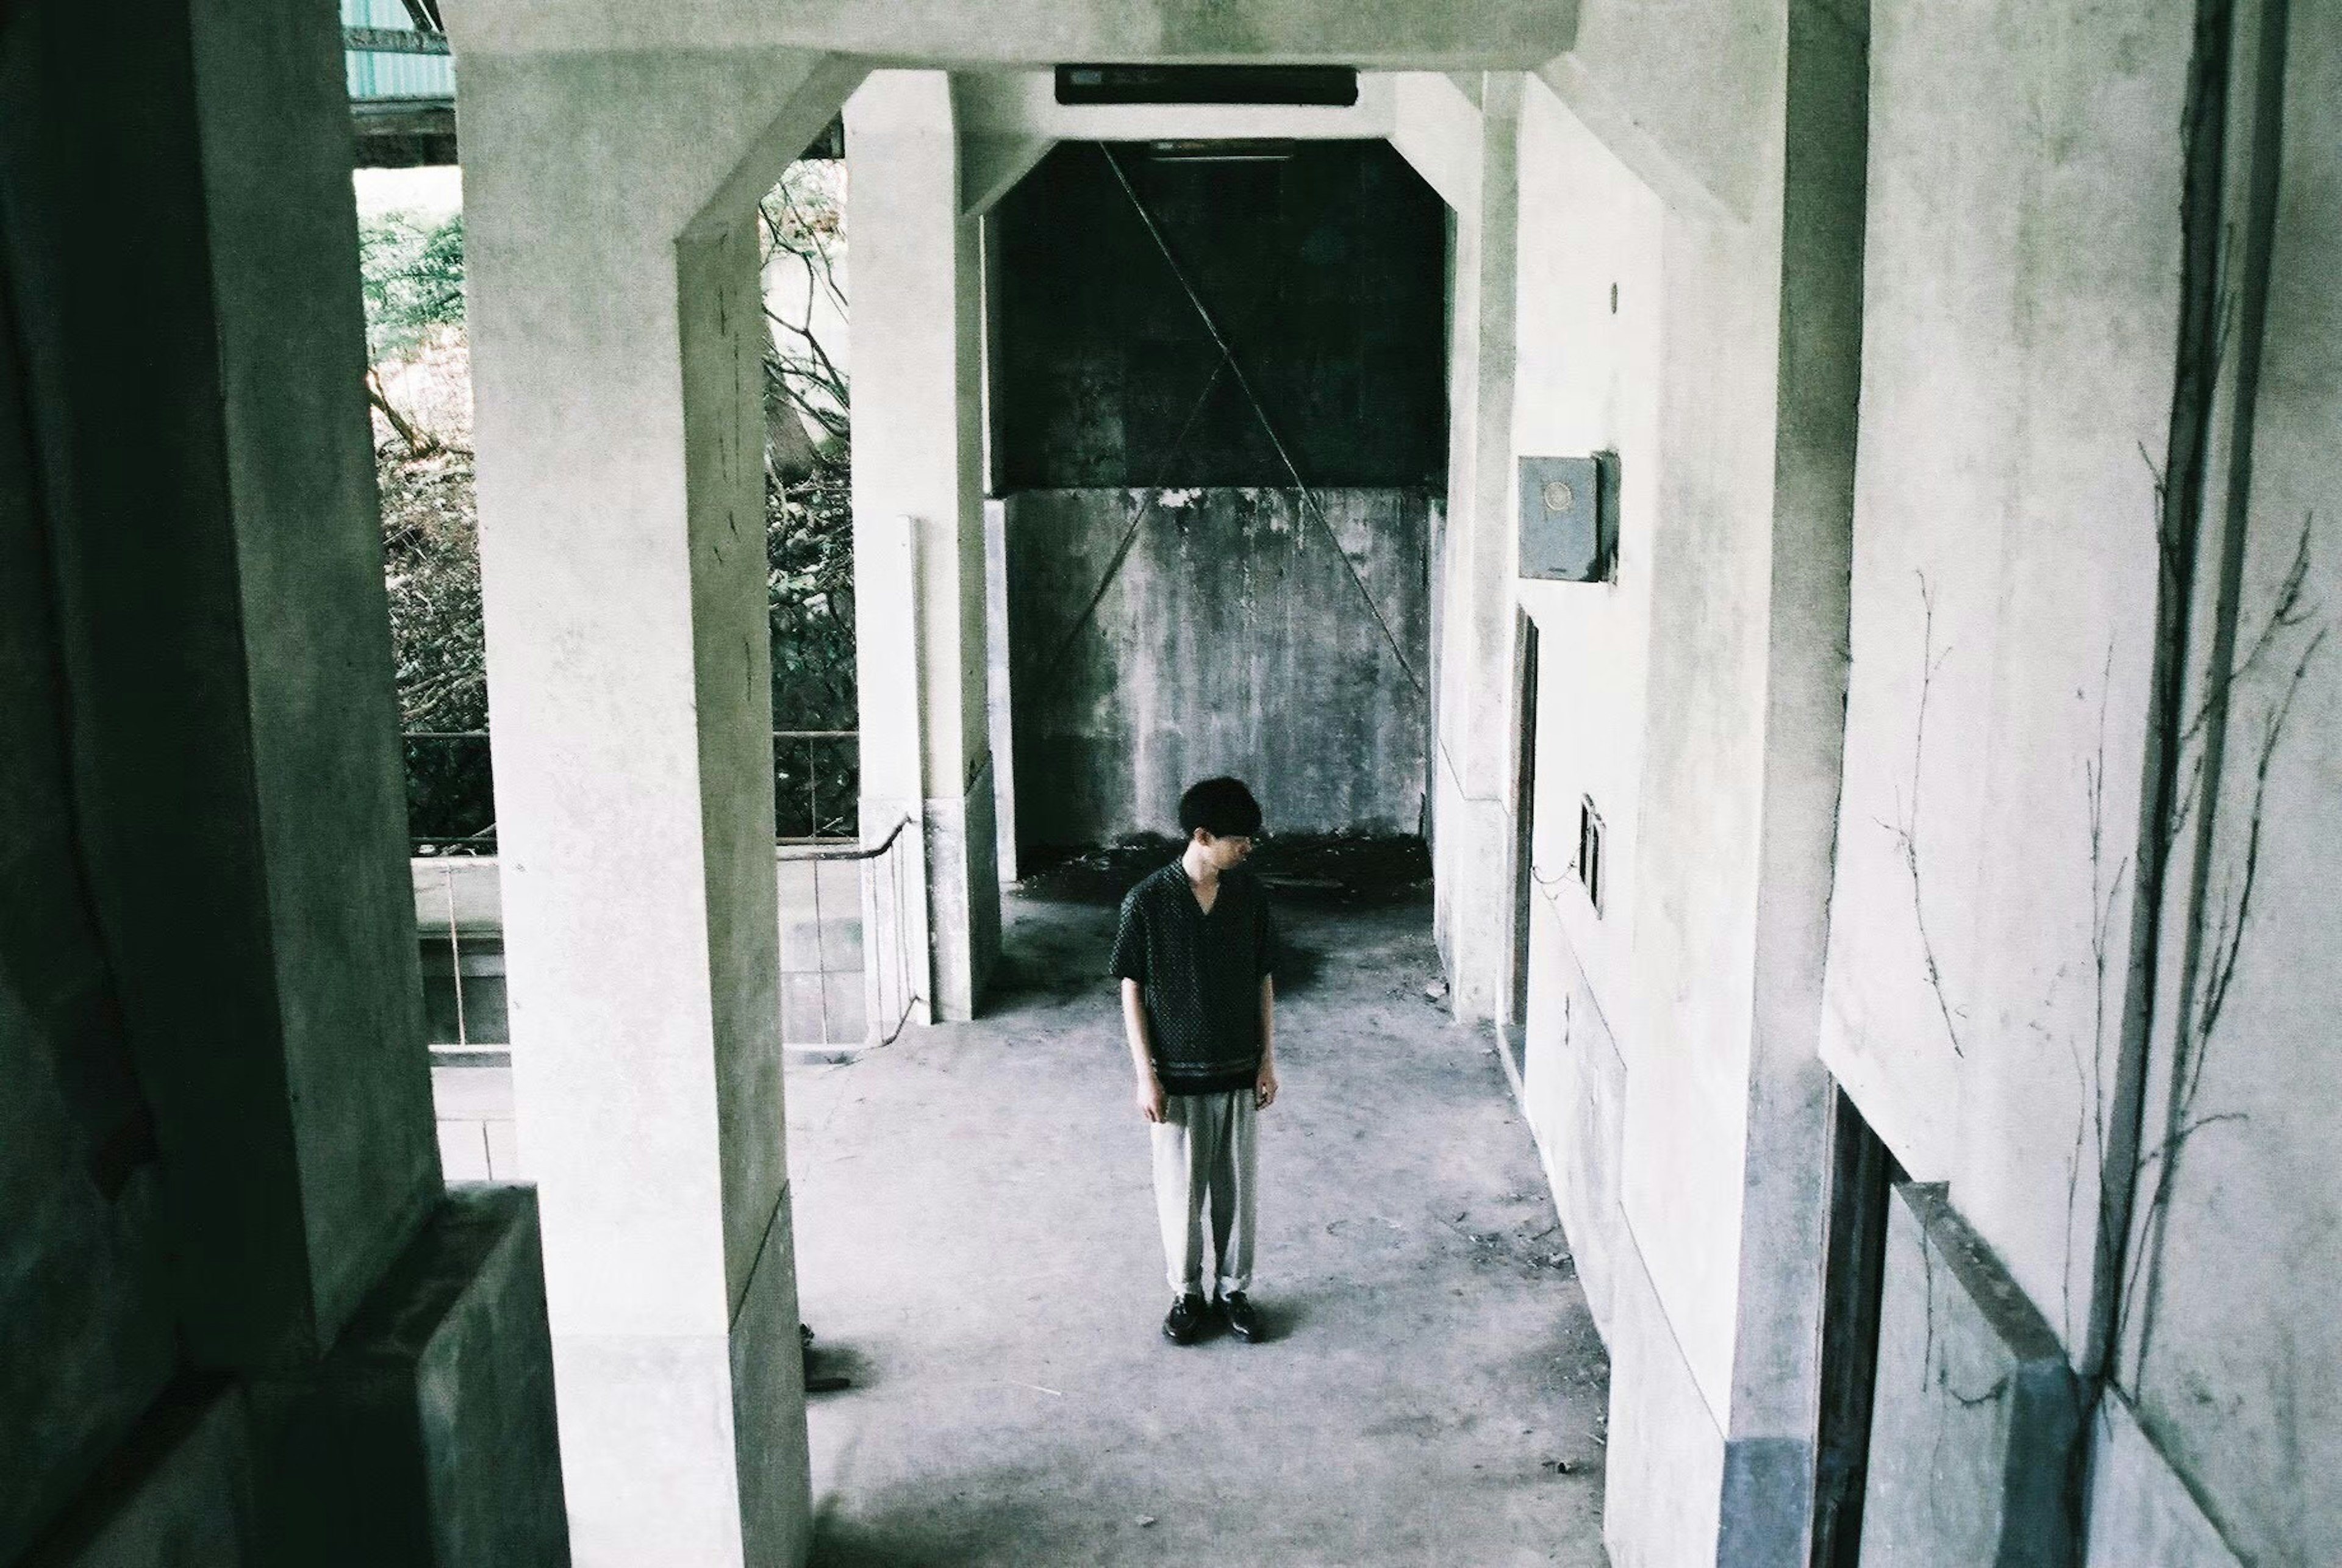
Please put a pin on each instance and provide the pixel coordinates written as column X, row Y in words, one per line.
column 2233, row 1346
column 218, row 1137
column 223, row 655
column 83, row 1285
column 1230, row 636
column 1322, row 268
column 1586, row 380
column 180, row 1495
column 2021, row 284
column 1395, row 33
column 428, row 1435
column 1976, row 1409
column 1696, row 701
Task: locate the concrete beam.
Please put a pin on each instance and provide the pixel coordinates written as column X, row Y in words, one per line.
column 1450, row 34
column 990, row 166
column 1437, row 129
column 616, row 339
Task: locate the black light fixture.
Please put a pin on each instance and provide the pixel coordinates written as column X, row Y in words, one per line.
column 1326, row 86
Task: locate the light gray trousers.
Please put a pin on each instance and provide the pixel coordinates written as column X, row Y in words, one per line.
column 1204, row 1150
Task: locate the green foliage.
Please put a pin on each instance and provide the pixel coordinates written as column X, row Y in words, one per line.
column 808, row 496
column 431, row 559
column 412, row 274
column 411, row 271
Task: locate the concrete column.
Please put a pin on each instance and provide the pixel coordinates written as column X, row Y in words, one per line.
column 1472, row 761
column 617, row 334
column 1768, row 1469
column 224, row 652
column 225, row 1258
column 917, row 455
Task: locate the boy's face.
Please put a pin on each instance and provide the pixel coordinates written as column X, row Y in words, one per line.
column 1225, row 854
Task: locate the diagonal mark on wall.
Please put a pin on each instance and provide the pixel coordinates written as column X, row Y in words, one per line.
column 1244, row 383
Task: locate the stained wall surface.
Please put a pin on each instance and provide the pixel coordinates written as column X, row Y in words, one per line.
column 2232, row 1342
column 1319, row 264
column 1161, row 637
column 1652, row 702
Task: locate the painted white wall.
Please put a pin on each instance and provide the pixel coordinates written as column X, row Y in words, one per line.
column 1586, row 380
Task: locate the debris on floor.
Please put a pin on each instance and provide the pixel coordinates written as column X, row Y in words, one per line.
column 1338, row 868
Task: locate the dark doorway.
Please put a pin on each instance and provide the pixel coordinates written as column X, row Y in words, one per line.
column 1524, row 686
column 1862, row 1180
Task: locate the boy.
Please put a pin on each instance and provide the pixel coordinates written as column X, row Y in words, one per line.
column 1197, row 957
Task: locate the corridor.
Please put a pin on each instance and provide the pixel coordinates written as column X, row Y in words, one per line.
column 976, row 1251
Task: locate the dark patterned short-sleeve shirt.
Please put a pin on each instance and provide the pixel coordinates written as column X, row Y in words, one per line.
column 1200, row 975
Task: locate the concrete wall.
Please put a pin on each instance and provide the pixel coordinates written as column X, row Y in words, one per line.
column 2018, row 361
column 1587, row 381
column 1976, row 1409
column 1716, row 183
column 2233, row 1347
column 1320, row 266
column 1652, row 695
column 2032, row 374
column 1229, row 638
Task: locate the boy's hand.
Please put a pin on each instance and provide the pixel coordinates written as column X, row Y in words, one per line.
column 1151, row 1099
column 1264, row 1088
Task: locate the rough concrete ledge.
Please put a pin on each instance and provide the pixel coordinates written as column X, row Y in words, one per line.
column 428, row 1434
column 176, row 1495
column 1976, row 1413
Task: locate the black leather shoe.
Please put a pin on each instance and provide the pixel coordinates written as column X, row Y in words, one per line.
column 1243, row 1322
column 1185, row 1321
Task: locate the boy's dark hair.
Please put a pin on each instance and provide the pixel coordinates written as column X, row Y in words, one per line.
column 1221, row 807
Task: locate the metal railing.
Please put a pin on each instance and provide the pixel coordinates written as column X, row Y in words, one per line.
column 847, row 966
column 835, row 752
column 882, row 950
column 450, row 789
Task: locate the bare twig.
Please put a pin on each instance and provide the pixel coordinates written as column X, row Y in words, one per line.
column 1907, row 830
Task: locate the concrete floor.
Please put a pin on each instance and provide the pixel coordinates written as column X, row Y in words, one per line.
column 977, row 1249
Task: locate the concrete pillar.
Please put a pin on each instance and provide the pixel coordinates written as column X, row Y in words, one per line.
column 617, row 334
column 917, row 455
column 218, row 1171
column 1472, row 761
column 1770, row 1428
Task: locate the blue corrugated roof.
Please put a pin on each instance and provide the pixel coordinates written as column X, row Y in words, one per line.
column 375, row 73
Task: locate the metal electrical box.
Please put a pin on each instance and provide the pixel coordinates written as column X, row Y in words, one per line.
column 1569, row 517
